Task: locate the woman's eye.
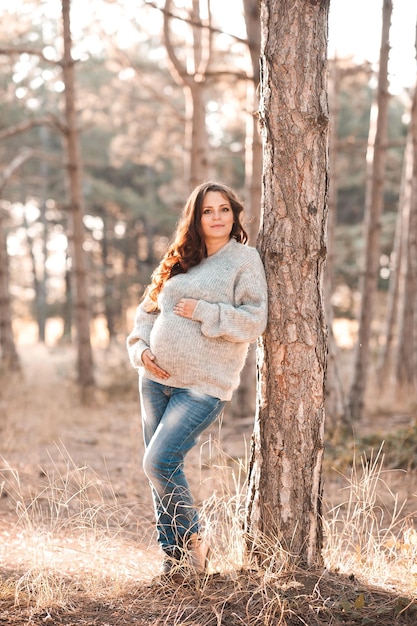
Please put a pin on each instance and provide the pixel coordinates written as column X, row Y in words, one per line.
column 206, row 211
column 226, row 209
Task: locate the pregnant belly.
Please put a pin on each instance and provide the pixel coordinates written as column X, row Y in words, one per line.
column 174, row 341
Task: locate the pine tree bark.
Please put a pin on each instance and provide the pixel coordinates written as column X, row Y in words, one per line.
column 74, row 169
column 284, row 492
column 376, row 157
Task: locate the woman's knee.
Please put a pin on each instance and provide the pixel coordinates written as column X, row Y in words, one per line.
column 148, row 464
column 156, row 465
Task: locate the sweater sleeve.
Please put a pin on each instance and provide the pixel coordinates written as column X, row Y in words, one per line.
column 245, row 321
column 138, row 340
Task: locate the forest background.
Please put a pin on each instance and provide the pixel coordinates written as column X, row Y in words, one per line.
column 133, row 118
column 135, row 149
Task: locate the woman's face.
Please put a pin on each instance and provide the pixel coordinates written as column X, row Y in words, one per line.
column 216, row 218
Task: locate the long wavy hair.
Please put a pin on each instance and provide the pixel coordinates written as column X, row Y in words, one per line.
column 188, row 247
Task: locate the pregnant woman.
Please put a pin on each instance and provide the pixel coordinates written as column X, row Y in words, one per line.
column 206, row 302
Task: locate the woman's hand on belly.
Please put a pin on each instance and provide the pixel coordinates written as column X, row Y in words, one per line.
column 185, row 307
column 149, row 361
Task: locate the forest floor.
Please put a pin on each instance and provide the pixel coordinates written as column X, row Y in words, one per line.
column 77, row 545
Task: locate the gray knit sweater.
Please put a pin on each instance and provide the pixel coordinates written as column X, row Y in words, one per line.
column 205, row 353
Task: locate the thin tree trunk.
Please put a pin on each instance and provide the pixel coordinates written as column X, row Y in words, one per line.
column 191, row 77
column 82, row 314
column 376, row 157
column 42, row 283
column 244, row 399
column 253, row 147
column 36, row 282
column 42, row 290
column 68, row 304
column 406, row 375
column 196, row 144
column 336, row 406
column 9, row 356
column 110, row 301
column 284, row 492
column 396, row 283
column 7, row 344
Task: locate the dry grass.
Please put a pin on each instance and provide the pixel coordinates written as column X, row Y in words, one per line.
column 76, row 531
column 79, row 559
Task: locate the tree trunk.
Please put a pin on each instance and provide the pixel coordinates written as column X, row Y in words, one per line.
column 196, row 136
column 406, row 376
column 9, row 356
column 191, row 77
column 386, row 358
column 36, row 283
column 253, row 148
column 44, row 172
column 68, row 304
column 284, row 493
column 7, row 344
column 336, row 406
column 244, row 399
column 41, row 313
column 81, row 301
column 376, row 157
column 111, row 301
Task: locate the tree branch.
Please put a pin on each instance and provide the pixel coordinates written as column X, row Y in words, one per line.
column 121, row 57
column 9, row 170
column 219, row 73
column 178, row 70
column 30, row 51
column 48, row 120
column 194, row 23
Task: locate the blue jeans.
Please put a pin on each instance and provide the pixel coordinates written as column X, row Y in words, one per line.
column 172, row 421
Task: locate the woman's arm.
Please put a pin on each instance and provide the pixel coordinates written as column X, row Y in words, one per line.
column 240, row 323
column 138, row 340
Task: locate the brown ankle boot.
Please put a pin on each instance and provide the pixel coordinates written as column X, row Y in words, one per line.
column 198, row 553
